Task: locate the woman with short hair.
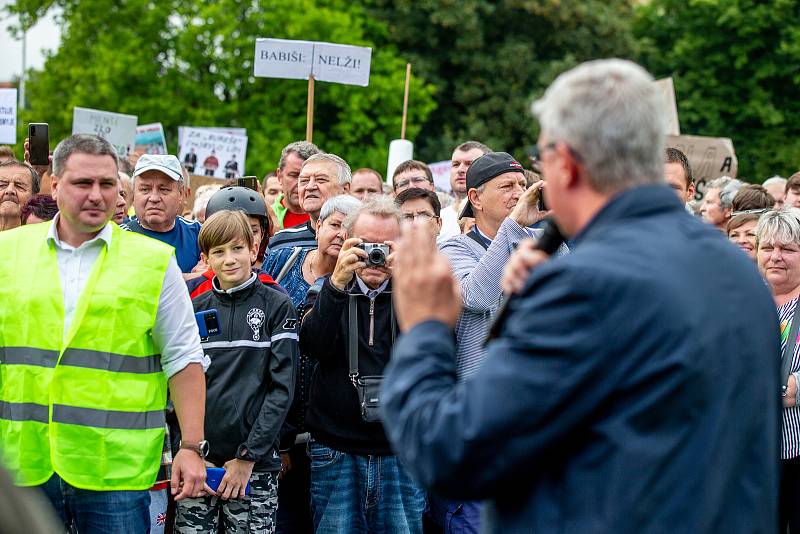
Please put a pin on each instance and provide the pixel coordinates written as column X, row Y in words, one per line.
column 778, row 256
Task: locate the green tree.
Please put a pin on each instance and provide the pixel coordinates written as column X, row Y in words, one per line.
column 489, row 59
column 735, row 68
column 191, row 63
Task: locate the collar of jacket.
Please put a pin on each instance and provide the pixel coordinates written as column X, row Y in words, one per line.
column 633, row 203
column 235, row 292
column 352, row 288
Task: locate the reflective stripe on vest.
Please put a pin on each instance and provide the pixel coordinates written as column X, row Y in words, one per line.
column 88, row 404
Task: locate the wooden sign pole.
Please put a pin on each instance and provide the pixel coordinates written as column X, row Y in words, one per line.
column 310, row 110
column 405, row 102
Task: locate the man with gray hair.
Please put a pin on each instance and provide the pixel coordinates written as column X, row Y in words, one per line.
column 322, row 176
column 287, row 208
column 718, row 202
column 618, row 393
column 350, row 332
column 158, row 192
column 776, row 186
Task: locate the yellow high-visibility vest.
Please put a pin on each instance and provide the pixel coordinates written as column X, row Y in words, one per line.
column 87, row 404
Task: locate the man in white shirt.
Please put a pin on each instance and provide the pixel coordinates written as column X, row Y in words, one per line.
column 463, row 156
column 85, row 185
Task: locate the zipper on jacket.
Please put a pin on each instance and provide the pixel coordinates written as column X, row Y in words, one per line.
column 230, row 323
column 371, row 322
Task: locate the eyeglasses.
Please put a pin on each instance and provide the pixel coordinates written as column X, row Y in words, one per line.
column 422, row 215
column 416, row 180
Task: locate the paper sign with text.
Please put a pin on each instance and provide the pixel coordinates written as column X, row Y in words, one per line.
column 210, row 153
column 8, row 116
column 710, row 158
column 441, row 175
column 116, row 128
column 298, row 60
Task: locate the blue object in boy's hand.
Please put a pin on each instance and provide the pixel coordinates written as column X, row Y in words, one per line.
column 207, row 323
column 214, row 477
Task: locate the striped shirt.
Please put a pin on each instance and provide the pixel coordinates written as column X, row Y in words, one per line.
column 790, row 436
column 479, row 271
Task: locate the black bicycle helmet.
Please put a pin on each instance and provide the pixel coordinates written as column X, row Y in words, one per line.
column 237, row 198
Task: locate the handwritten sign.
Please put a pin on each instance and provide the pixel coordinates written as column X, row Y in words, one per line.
column 710, row 158
column 8, row 116
column 116, row 128
column 150, row 139
column 667, row 91
column 298, row 60
column 212, row 153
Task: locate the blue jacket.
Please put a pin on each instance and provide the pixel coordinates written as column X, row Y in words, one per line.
column 633, row 388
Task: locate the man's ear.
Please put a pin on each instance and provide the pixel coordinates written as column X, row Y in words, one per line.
column 474, row 199
column 690, row 192
column 346, row 188
column 54, row 186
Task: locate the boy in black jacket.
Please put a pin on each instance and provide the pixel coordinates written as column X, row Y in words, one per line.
column 249, row 384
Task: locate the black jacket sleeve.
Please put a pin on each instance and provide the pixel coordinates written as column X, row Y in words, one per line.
column 322, row 325
column 283, row 353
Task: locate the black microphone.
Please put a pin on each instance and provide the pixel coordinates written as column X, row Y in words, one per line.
column 549, row 242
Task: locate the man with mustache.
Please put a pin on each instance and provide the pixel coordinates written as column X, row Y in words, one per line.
column 18, row 183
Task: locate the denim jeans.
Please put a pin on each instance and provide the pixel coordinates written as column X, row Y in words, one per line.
column 90, row 512
column 362, row 494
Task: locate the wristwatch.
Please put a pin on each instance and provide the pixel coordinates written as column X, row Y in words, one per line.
column 201, row 447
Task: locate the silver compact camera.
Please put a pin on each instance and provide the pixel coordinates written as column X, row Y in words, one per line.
column 376, row 253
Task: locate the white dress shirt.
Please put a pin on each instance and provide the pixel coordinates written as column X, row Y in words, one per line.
column 175, row 333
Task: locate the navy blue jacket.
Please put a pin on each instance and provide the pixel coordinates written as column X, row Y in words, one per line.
column 633, row 388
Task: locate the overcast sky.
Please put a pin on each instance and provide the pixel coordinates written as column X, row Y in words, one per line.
column 45, row 35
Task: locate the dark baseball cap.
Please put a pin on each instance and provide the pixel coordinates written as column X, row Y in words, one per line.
column 483, row 169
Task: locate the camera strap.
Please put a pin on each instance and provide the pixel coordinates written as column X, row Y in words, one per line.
column 478, row 239
column 789, row 348
column 352, row 336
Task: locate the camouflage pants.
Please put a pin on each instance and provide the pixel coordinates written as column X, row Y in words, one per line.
column 255, row 513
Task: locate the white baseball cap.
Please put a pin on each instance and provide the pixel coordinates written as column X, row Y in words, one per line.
column 164, row 163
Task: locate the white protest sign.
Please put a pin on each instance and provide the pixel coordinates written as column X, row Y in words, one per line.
column 298, row 60
column 281, row 58
column 441, row 175
column 342, row 63
column 709, row 157
column 116, row 128
column 211, row 153
column 667, row 91
column 232, row 131
column 8, row 116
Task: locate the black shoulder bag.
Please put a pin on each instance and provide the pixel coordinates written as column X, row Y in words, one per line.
column 367, row 387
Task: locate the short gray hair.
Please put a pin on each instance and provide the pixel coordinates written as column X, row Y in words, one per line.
column 609, row 113
column 344, row 204
column 728, row 187
column 303, row 149
column 780, row 180
column 379, row 206
column 342, row 168
column 779, row 226
column 81, row 144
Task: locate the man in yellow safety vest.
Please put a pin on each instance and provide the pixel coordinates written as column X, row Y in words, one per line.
column 94, row 326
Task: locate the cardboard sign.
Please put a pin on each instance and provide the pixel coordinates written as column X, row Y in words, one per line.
column 441, row 175
column 215, row 154
column 150, row 139
column 710, row 158
column 116, row 128
column 8, row 116
column 670, row 105
column 197, row 182
column 298, row 60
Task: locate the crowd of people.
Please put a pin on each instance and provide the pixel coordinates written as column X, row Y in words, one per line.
column 311, row 355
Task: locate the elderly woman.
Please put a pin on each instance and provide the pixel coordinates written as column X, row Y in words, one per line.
column 295, row 268
column 778, row 234
column 718, row 201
